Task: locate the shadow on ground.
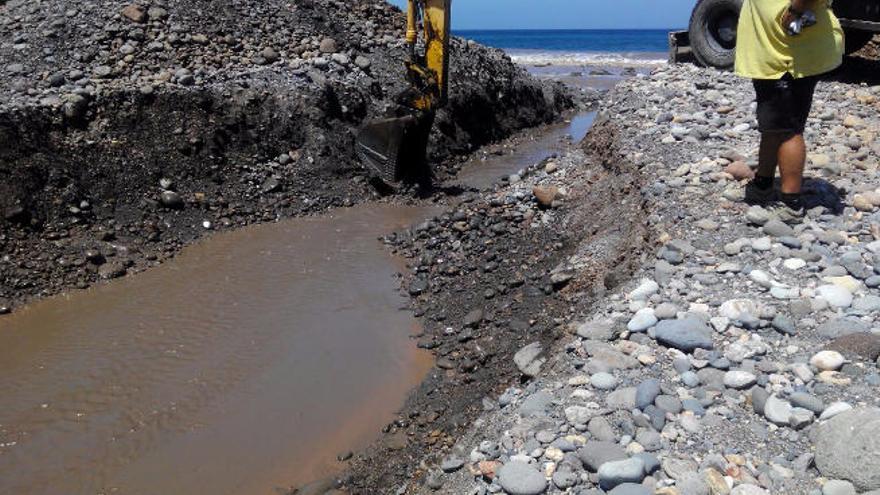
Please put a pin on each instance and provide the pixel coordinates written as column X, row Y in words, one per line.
column 820, row 192
column 858, row 70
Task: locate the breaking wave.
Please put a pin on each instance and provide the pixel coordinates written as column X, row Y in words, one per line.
column 541, row 58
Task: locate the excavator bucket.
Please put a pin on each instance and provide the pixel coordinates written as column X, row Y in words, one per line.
column 379, row 146
column 394, row 148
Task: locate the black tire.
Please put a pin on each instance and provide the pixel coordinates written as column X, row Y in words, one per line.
column 713, row 32
column 856, row 39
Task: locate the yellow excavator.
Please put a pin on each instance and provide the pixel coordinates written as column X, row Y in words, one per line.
column 394, row 148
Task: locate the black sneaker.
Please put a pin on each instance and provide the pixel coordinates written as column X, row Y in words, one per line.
column 789, row 214
column 759, row 196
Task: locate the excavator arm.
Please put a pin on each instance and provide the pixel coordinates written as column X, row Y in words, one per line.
column 428, row 73
column 394, row 148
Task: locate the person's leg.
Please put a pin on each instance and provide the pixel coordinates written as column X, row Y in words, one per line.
column 759, row 191
column 793, row 152
column 792, row 158
column 768, row 155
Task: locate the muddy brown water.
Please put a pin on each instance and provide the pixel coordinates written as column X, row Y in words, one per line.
column 486, row 172
column 247, row 363
column 242, row 366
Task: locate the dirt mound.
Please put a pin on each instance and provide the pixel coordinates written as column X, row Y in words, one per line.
column 128, row 130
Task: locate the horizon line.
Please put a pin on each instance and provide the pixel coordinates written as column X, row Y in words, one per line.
column 564, row 29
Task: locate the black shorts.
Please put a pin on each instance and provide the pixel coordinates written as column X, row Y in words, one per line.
column 784, row 104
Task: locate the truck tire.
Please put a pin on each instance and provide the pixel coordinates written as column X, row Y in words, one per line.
column 856, row 39
column 713, row 32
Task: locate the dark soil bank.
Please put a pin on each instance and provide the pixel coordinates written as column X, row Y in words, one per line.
column 129, row 130
column 493, row 275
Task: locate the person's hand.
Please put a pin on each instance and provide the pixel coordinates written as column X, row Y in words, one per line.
column 787, row 18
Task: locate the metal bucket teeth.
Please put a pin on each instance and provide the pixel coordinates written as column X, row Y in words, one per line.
column 380, row 144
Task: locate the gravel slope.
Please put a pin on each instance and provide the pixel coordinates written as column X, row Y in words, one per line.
column 742, row 358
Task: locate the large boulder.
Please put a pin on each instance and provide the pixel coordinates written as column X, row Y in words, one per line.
column 848, row 447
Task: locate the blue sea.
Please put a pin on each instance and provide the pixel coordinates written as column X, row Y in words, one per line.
column 577, row 47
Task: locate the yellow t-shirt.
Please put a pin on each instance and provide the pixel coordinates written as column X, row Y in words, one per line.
column 764, row 50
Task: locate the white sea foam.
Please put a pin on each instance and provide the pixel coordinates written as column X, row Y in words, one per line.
column 569, row 59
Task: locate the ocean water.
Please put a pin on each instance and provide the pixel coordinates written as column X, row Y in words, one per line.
column 577, row 47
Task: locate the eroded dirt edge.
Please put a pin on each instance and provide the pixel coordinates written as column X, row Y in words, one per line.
column 492, row 275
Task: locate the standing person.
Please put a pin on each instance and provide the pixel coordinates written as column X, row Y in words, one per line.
column 785, row 66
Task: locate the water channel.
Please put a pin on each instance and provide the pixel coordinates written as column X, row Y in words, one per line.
column 245, row 364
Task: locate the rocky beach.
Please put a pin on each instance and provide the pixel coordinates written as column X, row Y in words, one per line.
column 612, row 318
column 741, row 357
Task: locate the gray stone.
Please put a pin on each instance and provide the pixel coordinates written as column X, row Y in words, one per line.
column 867, row 304
column 775, row 228
column 692, row 484
column 646, row 392
column 451, row 464
column 656, row 416
column 328, row 45
column 690, row 379
column 838, row 327
column 599, row 329
column 607, row 358
column 838, row 487
column 529, row 359
column 666, row 311
column 834, row 409
column 578, row 415
column 601, row 430
column 800, row 418
column 536, row 404
column 565, row 478
column 171, row 199
column 668, row 403
column 748, row 489
column 686, row 334
column 739, row 379
column 757, row 215
column 642, row 320
column 836, row 296
column 783, row 325
column 622, row 399
column 631, row 489
column 614, row 473
column 362, row 62
column 473, row 318
column 777, row 411
column 594, row 454
column 650, row 440
column 711, row 378
column 652, row 463
column 807, row 401
column 603, row 381
column 545, row 436
column 646, row 289
column 111, row 270
column 678, row 469
column 519, row 478
column 694, row 406
column 663, row 272
column 848, row 448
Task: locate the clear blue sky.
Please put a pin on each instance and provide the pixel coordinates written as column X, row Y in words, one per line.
column 568, row 14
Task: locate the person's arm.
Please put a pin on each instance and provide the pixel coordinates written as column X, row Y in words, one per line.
column 799, row 6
